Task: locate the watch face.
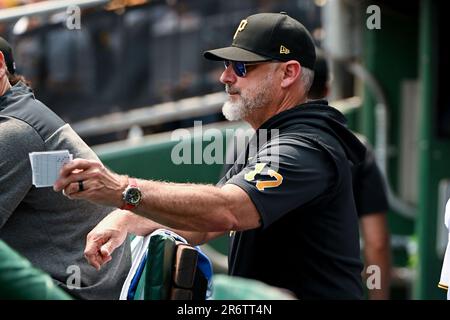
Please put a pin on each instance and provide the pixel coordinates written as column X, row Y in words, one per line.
column 133, row 196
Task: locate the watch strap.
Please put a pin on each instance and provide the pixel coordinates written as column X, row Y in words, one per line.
column 127, row 206
column 132, row 183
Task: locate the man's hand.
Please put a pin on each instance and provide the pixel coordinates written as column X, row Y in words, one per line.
column 108, row 235
column 90, row 180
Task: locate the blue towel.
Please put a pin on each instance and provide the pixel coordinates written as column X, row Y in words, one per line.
column 136, row 278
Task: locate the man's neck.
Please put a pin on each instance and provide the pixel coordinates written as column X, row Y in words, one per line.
column 256, row 120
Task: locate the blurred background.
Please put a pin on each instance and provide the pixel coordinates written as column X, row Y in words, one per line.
column 132, row 71
column 129, row 56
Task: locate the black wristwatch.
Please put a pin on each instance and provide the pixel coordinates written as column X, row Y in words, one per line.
column 131, row 196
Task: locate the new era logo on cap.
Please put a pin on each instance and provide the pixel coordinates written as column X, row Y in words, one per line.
column 284, row 50
column 268, row 36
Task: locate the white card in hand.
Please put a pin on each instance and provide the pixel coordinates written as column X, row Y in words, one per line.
column 46, row 166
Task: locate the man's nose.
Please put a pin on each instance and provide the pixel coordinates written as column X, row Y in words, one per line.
column 228, row 75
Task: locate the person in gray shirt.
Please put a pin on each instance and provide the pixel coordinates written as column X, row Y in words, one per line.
column 44, row 226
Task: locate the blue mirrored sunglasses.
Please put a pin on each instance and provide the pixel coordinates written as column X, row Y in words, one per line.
column 239, row 67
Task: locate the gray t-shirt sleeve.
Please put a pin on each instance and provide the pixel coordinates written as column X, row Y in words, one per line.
column 279, row 184
column 16, row 141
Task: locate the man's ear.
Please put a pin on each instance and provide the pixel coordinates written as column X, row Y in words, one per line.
column 292, row 70
column 2, row 64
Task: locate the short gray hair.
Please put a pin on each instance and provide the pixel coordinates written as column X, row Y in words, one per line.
column 307, row 78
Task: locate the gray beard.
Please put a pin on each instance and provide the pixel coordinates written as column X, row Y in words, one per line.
column 233, row 111
column 244, row 107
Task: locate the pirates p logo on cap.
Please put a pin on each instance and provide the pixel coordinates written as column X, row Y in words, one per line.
column 240, row 28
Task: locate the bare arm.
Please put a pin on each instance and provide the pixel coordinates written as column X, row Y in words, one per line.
column 377, row 251
column 198, row 207
column 191, row 207
column 142, row 226
column 111, row 232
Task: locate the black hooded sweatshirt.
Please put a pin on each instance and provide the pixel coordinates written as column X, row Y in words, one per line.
column 299, row 179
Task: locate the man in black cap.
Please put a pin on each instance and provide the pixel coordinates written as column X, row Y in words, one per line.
column 287, row 203
column 45, row 227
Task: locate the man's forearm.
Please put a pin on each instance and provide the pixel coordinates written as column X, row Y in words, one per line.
column 377, row 250
column 142, row 226
column 201, row 208
column 189, row 207
column 380, row 258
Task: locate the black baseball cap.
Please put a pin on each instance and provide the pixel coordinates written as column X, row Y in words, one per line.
column 268, row 36
column 321, row 76
column 5, row 48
